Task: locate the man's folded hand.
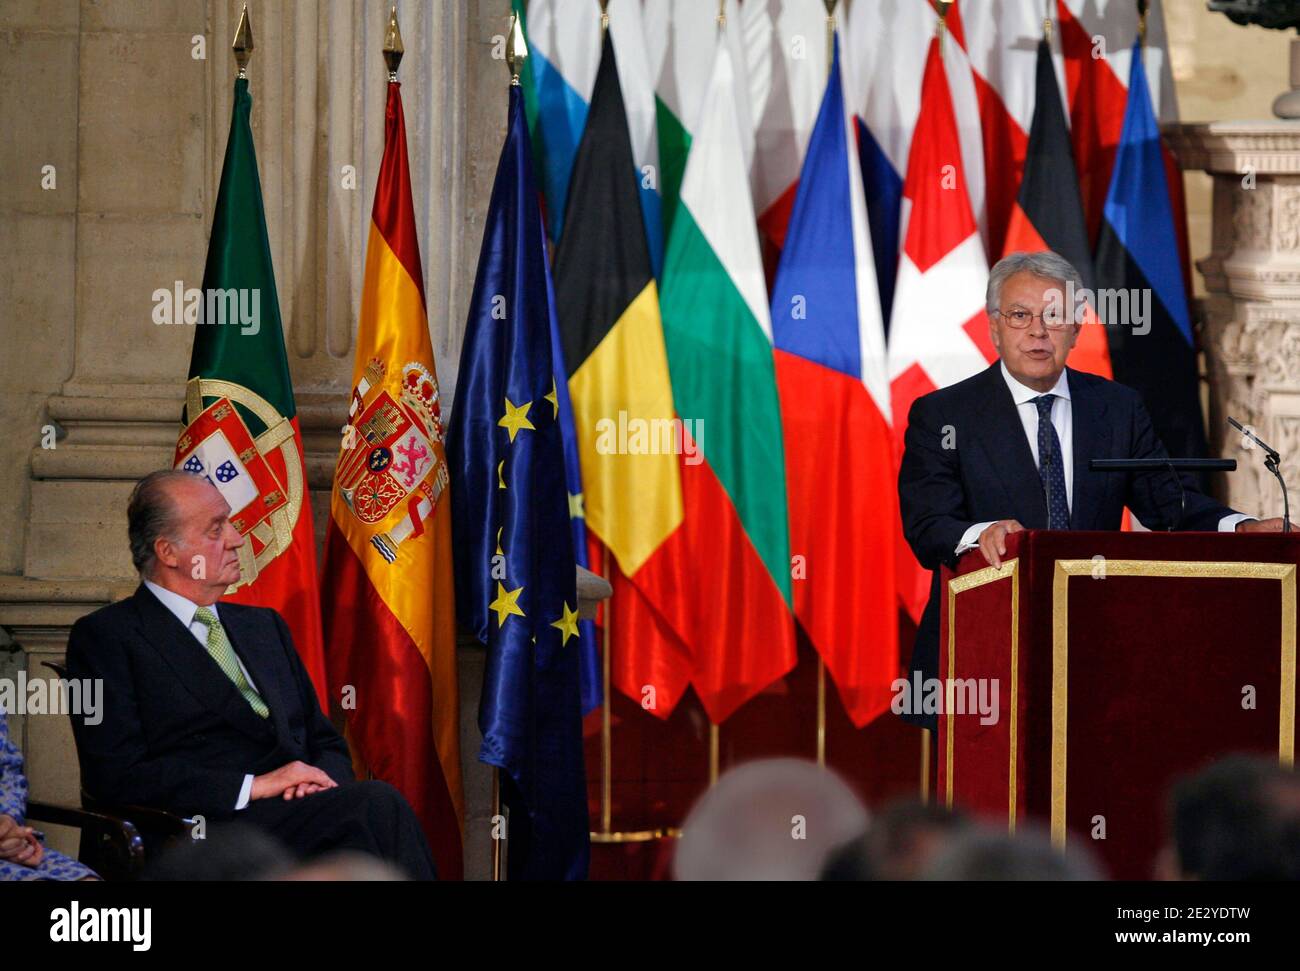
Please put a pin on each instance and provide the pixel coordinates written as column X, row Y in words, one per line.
column 292, row 781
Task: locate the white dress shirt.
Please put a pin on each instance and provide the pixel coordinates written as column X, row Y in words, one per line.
column 1024, row 397
column 185, row 609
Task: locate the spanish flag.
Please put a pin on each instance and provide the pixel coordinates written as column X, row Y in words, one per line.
column 388, row 591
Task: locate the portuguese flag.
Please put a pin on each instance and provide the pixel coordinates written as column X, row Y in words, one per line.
column 729, row 561
column 389, row 592
column 241, row 430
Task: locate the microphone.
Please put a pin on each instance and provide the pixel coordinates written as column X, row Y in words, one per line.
column 1272, row 462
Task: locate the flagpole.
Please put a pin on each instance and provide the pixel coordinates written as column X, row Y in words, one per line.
column 516, row 52
column 925, row 766
column 715, row 732
column 492, row 830
column 606, row 721
column 821, row 662
column 606, row 833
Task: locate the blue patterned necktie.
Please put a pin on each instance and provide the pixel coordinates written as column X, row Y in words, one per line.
column 1050, row 469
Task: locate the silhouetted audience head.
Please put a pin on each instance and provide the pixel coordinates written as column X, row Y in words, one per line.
column 231, row 851
column 992, row 853
column 902, row 840
column 1238, row 819
column 774, row 819
column 347, row 867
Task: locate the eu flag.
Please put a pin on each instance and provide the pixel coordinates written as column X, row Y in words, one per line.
column 514, row 554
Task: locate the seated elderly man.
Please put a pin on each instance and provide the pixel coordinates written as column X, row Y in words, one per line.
column 22, row 854
column 207, row 708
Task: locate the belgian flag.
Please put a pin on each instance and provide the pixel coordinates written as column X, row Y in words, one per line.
column 1048, row 214
column 614, row 355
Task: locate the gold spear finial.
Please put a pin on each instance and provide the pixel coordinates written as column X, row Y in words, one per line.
column 722, row 14
column 830, row 32
column 1142, row 21
column 242, row 45
column 604, row 15
column 516, row 50
column 393, row 49
column 943, row 7
column 1047, row 19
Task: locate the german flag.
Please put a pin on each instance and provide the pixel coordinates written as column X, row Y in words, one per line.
column 388, row 588
column 614, row 355
column 1048, row 214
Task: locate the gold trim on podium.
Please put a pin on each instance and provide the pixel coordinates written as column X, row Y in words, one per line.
column 1181, row 569
column 969, row 581
column 625, row 836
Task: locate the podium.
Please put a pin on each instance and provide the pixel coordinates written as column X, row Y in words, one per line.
column 1118, row 662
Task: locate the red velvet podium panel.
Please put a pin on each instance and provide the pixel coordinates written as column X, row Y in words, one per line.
column 1121, row 661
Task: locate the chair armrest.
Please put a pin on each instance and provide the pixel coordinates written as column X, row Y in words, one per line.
column 118, row 849
column 146, row 819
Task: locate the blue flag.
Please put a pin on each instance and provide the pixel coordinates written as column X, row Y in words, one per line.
column 514, row 554
column 1148, row 321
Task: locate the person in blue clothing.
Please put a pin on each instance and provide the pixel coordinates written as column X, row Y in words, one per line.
column 22, row 854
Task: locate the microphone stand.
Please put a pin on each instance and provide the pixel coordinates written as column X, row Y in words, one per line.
column 1272, row 462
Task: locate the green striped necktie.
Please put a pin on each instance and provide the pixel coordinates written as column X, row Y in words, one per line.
column 221, row 651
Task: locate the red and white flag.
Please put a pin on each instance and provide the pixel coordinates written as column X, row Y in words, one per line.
column 938, row 334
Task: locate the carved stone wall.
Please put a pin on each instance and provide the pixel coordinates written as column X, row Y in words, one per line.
column 1251, row 312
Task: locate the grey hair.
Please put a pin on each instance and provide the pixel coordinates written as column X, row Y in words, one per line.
column 151, row 513
column 1048, row 265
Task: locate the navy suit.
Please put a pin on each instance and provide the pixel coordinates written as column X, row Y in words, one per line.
column 176, row 734
column 989, row 474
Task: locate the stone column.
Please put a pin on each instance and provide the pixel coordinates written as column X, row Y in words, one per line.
column 1252, row 309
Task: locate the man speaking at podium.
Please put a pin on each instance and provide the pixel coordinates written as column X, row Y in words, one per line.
column 1009, row 448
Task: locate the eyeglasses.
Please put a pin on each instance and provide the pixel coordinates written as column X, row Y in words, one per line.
column 1020, row 319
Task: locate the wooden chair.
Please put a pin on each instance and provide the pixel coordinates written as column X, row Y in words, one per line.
column 114, row 838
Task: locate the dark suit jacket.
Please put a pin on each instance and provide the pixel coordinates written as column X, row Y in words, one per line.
column 990, row 474
column 176, row 734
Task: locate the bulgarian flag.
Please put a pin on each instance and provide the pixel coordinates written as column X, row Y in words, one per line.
column 732, row 596
column 389, row 613
column 241, row 427
column 679, row 43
